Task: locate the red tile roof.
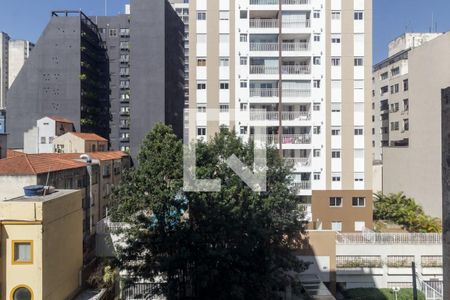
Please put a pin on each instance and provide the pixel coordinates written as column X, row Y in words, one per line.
column 60, row 119
column 89, row 136
column 102, row 156
column 33, row 164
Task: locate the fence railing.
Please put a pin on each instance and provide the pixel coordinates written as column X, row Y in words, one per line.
column 274, row 46
column 294, row 161
column 296, row 24
column 388, row 238
column 272, row 139
column 293, row 70
column 433, row 290
column 257, row 115
column 261, row 69
column 304, row 185
column 274, row 2
column 263, row 23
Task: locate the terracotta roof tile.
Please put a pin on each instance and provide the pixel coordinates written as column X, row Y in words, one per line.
column 89, row 136
column 60, row 119
column 33, row 164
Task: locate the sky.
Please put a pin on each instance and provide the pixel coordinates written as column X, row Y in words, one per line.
column 26, row 19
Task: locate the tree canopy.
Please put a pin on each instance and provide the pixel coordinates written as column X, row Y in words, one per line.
column 231, row 244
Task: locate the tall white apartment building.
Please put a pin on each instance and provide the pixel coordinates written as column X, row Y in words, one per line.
column 4, row 41
column 303, row 69
column 19, row 51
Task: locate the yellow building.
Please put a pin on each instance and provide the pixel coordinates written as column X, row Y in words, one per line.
column 41, row 246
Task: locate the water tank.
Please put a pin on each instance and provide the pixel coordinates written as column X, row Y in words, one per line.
column 33, row 190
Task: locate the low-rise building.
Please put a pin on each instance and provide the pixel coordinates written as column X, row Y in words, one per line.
column 39, row 139
column 41, row 243
column 77, row 142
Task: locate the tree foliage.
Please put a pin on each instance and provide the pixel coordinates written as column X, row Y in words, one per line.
column 232, row 244
column 404, row 211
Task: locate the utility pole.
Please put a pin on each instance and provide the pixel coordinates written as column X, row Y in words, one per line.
column 413, row 266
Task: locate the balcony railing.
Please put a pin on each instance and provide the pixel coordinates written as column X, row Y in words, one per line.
column 303, row 185
column 287, row 139
column 389, row 238
column 296, row 24
column 274, row 2
column 274, row 46
column 296, row 93
column 273, row 92
column 257, row 115
column 295, row 161
column 293, row 70
column 262, row 69
column 263, row 23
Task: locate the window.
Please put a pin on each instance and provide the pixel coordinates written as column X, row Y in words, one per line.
column 359, row 61
column 359, row 15
column 405, row 104
column 224, row 15
column 395, row 88
column 224, row 108
column 243, row 38
column 394, row 126
column 316, row 14
column 316, row 107
column 359, row 177
column 316, row 83
column 201, row 131
column 243, row 14
column 395, row 71
column 336, row 107
column 336, row 131
column 243, row 106
column 336, row 177
column 405, row 124
column 316, row 152
column 201, row 108
column 335, row 61
column 316, row 129
column 224, row 85
column 336, row 39
column 336, row 226
column 21, row 293
column 243, row 129
column 359, row 131
column 358, row 201
column 384, row 76
column 316, row 60
column 405, row 85
column 335, row 15
column 124, row 32
column 50, row 139
column 201, row 15
column 395, row 107
column 201, row 86
column 201, row 62
column 113, row 32
column 43, row 140
column 243, row 84
column 336, row 154
column 124, row 45
column 316, row 176
column 22, row 252
column 224, row 62
column 243, row 61
column 316, row 37
column 335, row 201
column 360, row 225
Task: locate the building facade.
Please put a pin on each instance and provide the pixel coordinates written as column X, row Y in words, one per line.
column 414, row 168
column 4, row 49
column 390, row 102
column 42, row 249
column 299, row 68
column 19, row 51
column 76, row 142
column 446, row 188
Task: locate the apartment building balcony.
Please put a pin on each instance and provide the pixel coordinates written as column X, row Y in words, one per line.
column 287, row 139
column 264, row 23
column 303, row 185
column 258, row 115
column 276, row 2
column 297, row 162
column 295, row 24
column 285, row 69
column 272, row 48
column 274, row 93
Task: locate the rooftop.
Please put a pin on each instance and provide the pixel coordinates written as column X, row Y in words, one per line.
column 56, row 194
column 89, row 136
column 60, row 119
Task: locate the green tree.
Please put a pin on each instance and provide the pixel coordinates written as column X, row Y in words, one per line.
column 404, row 211
column 232, row 244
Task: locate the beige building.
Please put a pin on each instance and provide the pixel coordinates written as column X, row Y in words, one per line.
column 77, row 142
column 300, row 71
column 41, row 246
column 415, row 168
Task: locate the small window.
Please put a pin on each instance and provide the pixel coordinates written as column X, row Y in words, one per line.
column 359, row 131
column 336, row 226
column 244, row 106
column 316, row 107
column 316, row 83
column 243, row 14
column 243, row 38
column 336, row 131
column 113, row 32
column 224, row 62
column 316, row 176
column 43, row 140
column 335, row 15
column 316, row 37
column 335, row 39
column 316, row 14
column 201, row 15
column 359, row 61
column 336, row 177
column 243, row 61
column 243, row 130
column 201, row 86
column 224, row 85
column 316, row 129
column 243, row 84
column 405, row 85
column 336, row 154
column 201, row 62
column 22, row 252
column 224, row 15
column 224, row 108
column 201, row 131
column 360, row 225
column 335, row 61
column 358, row 201
column 316, row 60
column 201, row 108
column 316, row 153
column 336, row 201
column 336, row 107
column 359, row 15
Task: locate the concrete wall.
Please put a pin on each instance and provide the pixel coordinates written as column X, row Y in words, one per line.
column 12, row 186
column 416, row 170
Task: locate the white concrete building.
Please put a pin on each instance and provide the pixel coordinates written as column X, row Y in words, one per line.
column 19, row 51
column 300, row 67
